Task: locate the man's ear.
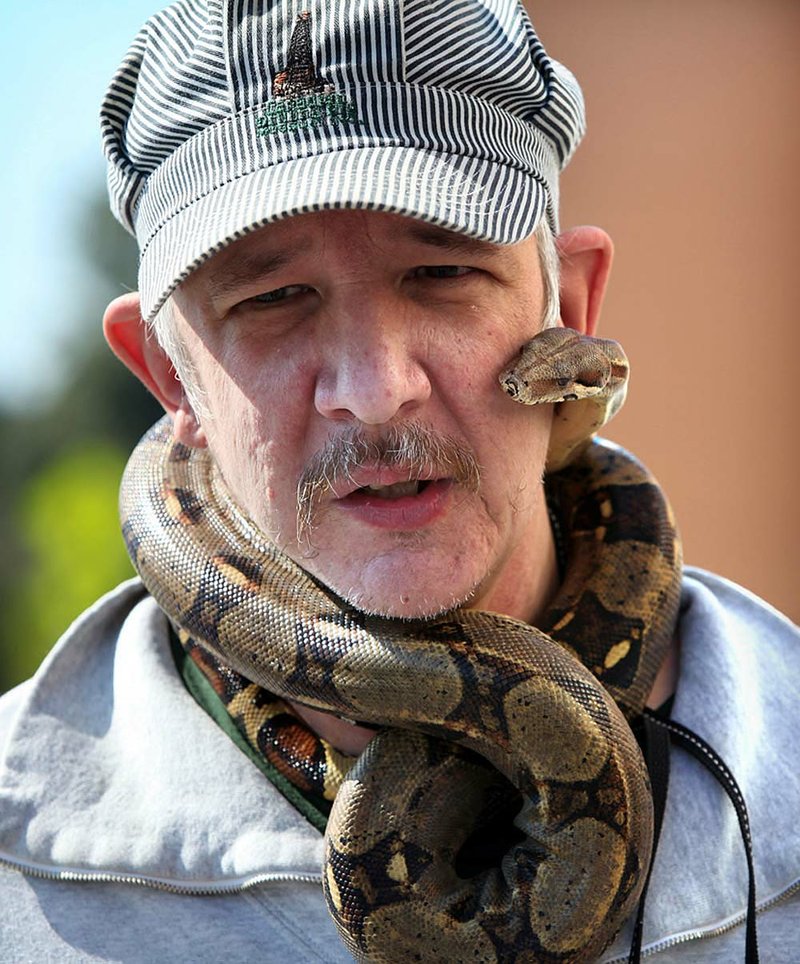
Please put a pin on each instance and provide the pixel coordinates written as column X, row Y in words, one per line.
column 585, row 255
column 134, row 344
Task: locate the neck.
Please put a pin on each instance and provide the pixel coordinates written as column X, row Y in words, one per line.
column 348, row 738
column 526, row 579
column 667, row 679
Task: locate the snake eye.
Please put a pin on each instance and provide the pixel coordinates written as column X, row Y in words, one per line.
column 562, row 382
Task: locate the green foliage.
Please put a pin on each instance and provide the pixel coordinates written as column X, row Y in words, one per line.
column 70, row 534
column 60, row 544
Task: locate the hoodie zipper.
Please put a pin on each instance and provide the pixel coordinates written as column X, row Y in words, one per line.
column 698, row 935
column 82, row 876
column 136, row 880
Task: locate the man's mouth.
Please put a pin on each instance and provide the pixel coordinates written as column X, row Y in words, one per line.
column 397, row 490
column 405, row 479
column 407, row 504
column 381, row 483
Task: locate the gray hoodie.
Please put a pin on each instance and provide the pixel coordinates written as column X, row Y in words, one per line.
column 132, row 829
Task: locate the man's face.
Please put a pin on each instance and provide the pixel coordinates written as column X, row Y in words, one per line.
column 355, row 327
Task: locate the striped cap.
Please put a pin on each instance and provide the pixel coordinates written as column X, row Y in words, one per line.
column 225, row 116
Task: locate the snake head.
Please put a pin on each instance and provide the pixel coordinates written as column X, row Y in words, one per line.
column 561, row 365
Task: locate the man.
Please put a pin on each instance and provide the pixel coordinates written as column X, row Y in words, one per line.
column 345, row 216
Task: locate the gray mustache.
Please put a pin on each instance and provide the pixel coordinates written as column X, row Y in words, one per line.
column 416, row 448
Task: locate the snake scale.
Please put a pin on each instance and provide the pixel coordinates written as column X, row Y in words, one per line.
column 467, row 702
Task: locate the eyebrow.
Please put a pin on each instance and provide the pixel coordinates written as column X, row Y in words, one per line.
column 246, row 268
column 450, row 240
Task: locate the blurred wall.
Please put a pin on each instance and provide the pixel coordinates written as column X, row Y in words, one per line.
column 691, row 163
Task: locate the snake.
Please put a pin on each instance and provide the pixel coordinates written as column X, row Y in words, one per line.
column 471, row 708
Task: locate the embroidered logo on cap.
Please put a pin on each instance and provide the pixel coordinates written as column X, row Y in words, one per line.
column 302, row 98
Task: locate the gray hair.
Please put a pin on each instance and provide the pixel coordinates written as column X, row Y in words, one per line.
column 166, row 332
column 549, row 267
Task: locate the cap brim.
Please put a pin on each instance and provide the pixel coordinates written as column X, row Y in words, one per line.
column 480, row 198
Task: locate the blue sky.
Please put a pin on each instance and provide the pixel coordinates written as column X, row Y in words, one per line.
column 55, row 62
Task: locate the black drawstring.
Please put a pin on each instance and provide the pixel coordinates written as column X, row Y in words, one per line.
column 659, row 731
column 656, row 747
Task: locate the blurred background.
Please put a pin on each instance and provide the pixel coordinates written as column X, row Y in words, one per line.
column 690, row 163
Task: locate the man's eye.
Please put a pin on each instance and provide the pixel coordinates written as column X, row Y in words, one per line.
column 441, row 271
column 279, row 294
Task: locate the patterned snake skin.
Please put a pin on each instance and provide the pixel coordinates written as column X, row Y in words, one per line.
column 469, row 702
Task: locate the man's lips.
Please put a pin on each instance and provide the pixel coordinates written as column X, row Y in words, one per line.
column 397, row 510
column 376, row 482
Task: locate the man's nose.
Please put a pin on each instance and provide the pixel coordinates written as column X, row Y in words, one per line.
column 373, row 371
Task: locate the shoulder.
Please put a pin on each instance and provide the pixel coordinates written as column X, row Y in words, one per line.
column 112, row 775
column 739, row 658
column 738, row 649
column 735, row 647
column 105, row 740
column 711, row 602
column 93, row 632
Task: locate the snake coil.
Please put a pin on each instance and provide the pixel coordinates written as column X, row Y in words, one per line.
column 466, row 701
